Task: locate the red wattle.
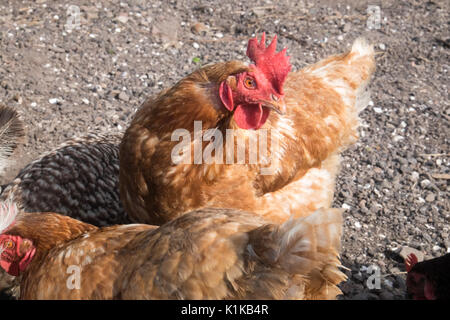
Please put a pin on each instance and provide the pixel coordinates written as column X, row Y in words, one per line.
column 250, row 116
column 10, row 268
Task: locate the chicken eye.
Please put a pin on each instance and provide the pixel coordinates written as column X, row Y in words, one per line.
column 9, row 244
column 274, row 97
column 249, row 83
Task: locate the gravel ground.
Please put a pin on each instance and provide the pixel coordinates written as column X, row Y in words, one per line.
column 394, row 181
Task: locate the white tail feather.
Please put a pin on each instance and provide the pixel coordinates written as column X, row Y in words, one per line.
column 362, row 48
column 306, row 243
column 8, row 213
column 360, row 62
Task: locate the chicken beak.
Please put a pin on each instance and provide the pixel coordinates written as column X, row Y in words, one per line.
column 277, row 106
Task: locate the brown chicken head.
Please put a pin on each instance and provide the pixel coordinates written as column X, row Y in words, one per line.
column 16, row 253
column 252, row 94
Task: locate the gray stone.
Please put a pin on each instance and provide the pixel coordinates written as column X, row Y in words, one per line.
column 123, row 96
column 405, row 251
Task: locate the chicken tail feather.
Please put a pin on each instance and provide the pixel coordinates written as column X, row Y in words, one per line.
column 362, row 54
column 306, row 243
column 300, row 245
column 8, row 213
column 348, row 74
column 11, row 134
column 306, row 248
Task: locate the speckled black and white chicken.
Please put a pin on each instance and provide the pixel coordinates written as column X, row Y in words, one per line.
column 78, row 179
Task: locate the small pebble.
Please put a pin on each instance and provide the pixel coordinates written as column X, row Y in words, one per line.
column 122, row 18
column 199, row 28
column 347, row 27
column 430, row 197
column 436, row 248
column 53, row 100
column 123, row 96
column 17, row 98
column 378, row 110
column 425, row 183
column 346, row 206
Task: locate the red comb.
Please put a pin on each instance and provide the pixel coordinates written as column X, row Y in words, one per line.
column 274, row 65
column 410, row 261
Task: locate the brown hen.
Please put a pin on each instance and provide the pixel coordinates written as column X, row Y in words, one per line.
column 205, row 254
column 309, row 116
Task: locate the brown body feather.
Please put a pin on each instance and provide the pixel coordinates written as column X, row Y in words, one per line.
column 207, row 254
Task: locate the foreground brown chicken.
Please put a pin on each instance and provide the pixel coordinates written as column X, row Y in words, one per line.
column 430, row 279
column 206, row 254
column 309, row 116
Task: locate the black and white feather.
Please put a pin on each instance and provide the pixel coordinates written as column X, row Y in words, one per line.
column 79, row 179
column 12, row 132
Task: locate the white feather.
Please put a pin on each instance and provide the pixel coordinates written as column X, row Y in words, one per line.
column 8, row 213
column 362, row 47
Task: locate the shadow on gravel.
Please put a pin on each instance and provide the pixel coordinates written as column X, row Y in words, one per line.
column 369, row 283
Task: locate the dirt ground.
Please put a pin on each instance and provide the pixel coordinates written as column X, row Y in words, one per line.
column 67, row 81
